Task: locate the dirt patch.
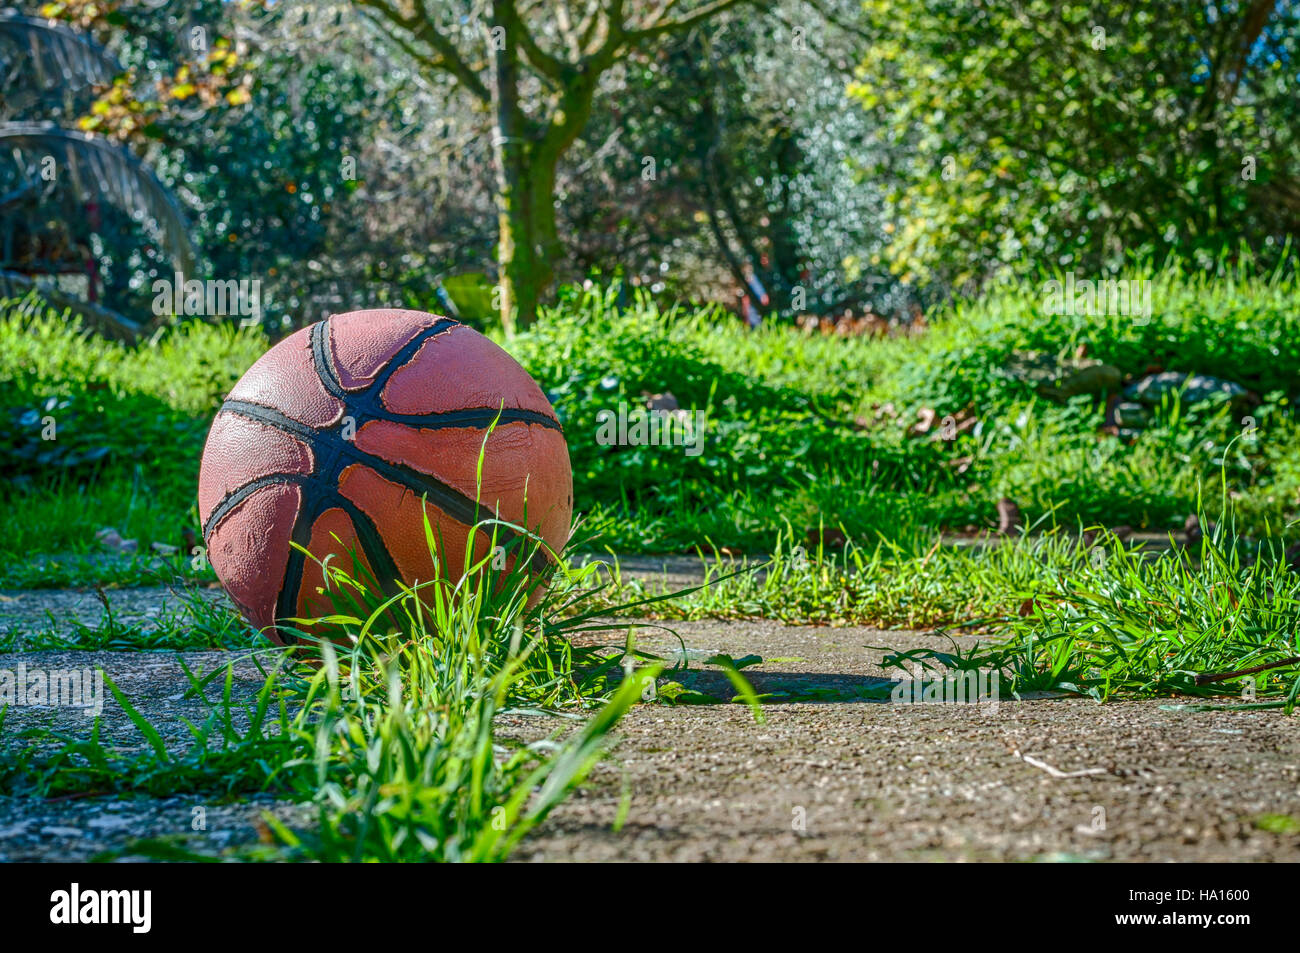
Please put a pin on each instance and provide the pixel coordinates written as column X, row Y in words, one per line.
column 83, row 830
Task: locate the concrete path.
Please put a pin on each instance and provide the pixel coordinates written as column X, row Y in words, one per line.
column 886, row 781
column 849, row 775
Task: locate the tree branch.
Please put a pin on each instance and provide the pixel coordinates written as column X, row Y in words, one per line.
column 549, row 66
column 421, row 25
column 590, row 23
column 677, row 24
column 1255, row 21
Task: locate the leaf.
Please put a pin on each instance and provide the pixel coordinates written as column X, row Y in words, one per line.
column 724, row 660
column 741, row 684
column 675, row 693
column 137, row 719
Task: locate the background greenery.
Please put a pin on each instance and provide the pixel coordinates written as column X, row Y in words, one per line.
column 924, row 163
column 801, row 428
column 882, row 187
column 832, row 155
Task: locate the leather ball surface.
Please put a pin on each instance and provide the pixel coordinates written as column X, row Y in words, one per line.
column 343, row 432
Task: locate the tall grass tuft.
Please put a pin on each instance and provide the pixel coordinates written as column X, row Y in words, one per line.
column 406, row 763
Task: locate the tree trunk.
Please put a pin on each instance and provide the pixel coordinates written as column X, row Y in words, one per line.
column 528, row 153
column 525, row 267
column 529, row 244
column 520, row 275
column 527, row 149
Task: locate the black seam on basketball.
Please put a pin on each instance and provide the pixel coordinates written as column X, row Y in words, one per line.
column 369, row 400
column 373, row 546
column 323, row 359
column 476, row 418
column 323, row 354
column 241, row 493
column 372, row 397
column 286, row 600
column 328, row 448
column 367, row 403
column 405, row 353
column 330, row 443
column 272, row 418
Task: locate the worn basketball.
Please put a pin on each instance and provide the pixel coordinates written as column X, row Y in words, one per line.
column 341, row 434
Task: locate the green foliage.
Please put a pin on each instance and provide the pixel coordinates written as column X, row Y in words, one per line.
column 1238, row 323
column 26, row 451
column 776, row 439
column 754, row 153
column 1102, row 619
column 1218, row 620
column 197, row 624
column 786, row 438
column 235, row 750
column 1080, row 134
column 392, row 736
column 128, row 425
column 798, row 428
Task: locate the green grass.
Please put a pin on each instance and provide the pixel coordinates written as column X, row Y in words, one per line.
column 195, row 625
column 393, row 739
column 917, row 582
column 66, row 513
column 392, row 735
column 1278, row 823
column 1102, row 620
column 803, row 428
column 128, row 425
column 1180, row 623
column 804, row 431
column 70, row 570
column 223, row 759
column 800, row 428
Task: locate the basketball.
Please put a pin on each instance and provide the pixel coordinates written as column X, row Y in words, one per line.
column 340, row 438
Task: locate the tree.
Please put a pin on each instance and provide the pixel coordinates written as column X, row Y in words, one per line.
column 304, row 157
column 727, row 166
column 538, row 67
column 1083, row 134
